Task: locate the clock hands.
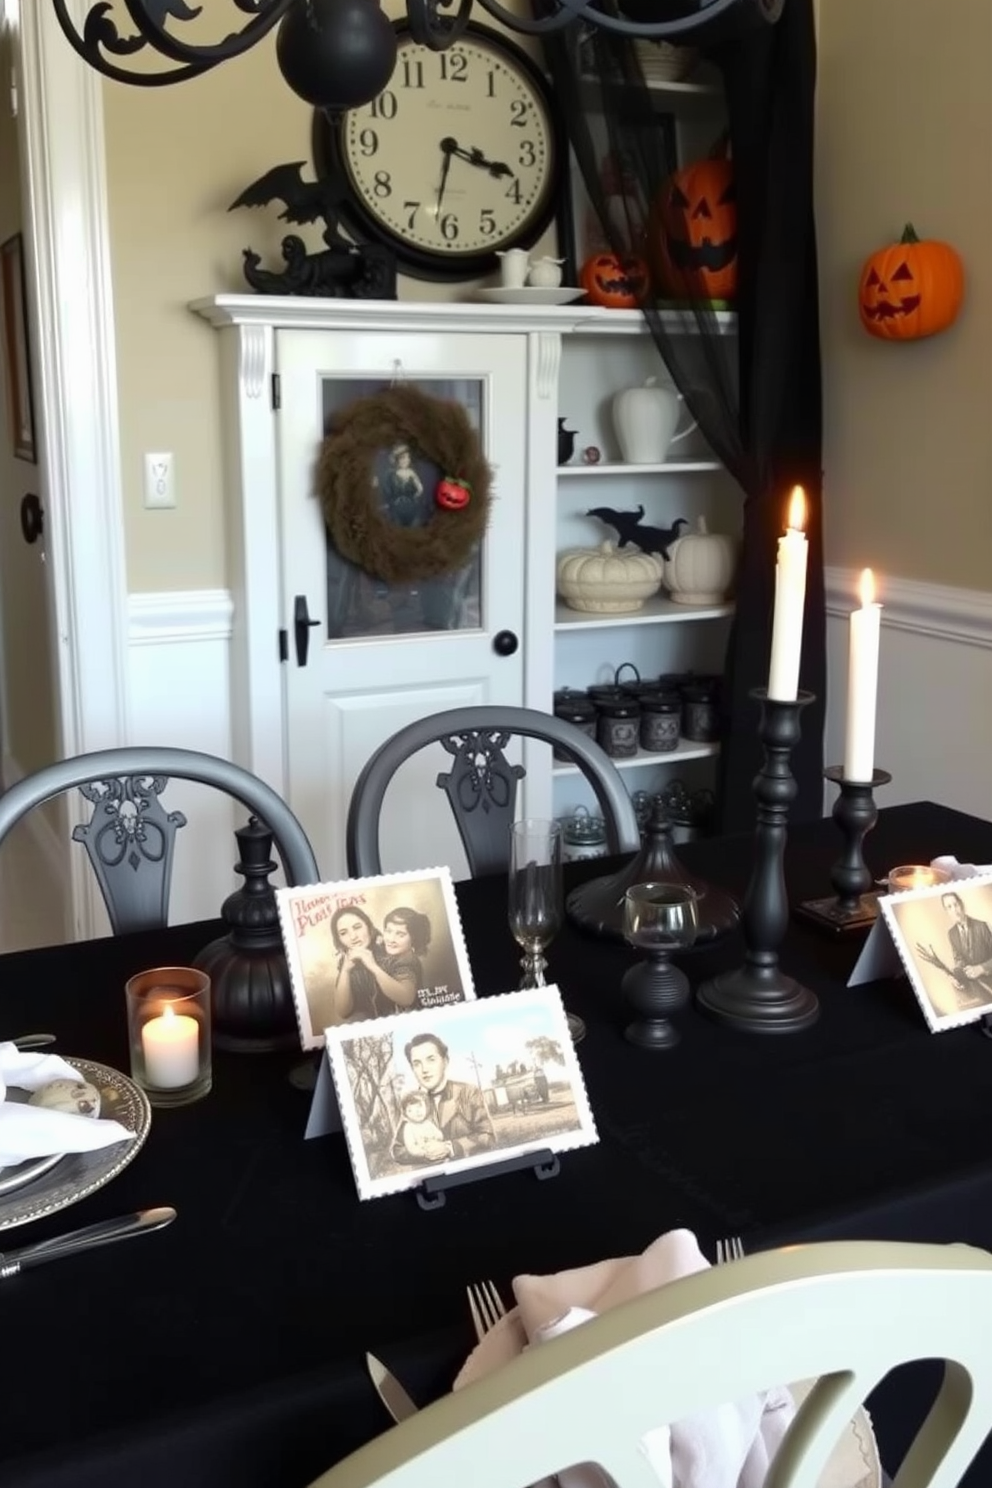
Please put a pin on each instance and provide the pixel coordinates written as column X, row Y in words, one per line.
column 446, row 145
column 472, row 156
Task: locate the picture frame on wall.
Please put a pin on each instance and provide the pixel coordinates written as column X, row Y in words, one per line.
column 17, row 349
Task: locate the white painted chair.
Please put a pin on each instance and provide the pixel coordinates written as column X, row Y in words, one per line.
column 844, row 1313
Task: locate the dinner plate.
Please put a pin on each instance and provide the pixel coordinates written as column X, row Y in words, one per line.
column 56, row 1182
column 854, row 1462
column 530, row 294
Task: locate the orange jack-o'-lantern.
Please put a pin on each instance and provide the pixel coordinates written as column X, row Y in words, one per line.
column 616, row 282
column 910, row 289
column 452, row 494
column 694, row 231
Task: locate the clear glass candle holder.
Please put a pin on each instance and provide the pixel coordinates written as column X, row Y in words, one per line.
column 168, row 1024
column 915, row 876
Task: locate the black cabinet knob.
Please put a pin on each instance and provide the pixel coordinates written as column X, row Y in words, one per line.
column 505, row 643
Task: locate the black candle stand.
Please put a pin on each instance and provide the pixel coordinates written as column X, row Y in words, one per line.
column 757, row 997
column 853, row 907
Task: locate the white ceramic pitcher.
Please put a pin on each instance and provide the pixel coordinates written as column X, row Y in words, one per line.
column 513, row 266
column 645, row 419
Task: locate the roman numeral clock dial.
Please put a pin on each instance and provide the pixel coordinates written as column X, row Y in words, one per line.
column 459, row 157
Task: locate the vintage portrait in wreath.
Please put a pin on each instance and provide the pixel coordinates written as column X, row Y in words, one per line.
column 458, row 1087
column 373, row 948
column 943, row 934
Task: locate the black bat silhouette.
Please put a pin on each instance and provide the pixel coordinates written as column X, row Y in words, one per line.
column 304, row 201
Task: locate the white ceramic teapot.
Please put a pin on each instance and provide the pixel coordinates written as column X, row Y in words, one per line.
column 545, row 273
column 645, row 420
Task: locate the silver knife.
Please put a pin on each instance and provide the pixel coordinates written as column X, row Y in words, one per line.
column 390, row 1391
column 33, row 1040
column 144, row 1222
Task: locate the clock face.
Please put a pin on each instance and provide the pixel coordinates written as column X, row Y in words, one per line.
column 458, row 157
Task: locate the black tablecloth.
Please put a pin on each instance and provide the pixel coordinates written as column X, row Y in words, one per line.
column 228, row 1348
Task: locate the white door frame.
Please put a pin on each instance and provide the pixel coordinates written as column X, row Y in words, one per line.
column 67, row 232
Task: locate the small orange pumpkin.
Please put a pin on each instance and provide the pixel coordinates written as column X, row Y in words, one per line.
column 453, row 493
column 614, row 281
column 910, row 289
column 694, row 231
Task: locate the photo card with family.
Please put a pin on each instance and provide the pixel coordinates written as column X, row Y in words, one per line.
column 372, row 948
column 457, row 1087
column 943, row 934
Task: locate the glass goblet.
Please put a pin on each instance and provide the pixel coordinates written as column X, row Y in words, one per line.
column 658, row 919
column 536, row 901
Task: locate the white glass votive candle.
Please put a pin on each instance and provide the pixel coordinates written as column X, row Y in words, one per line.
column 915, row 876
column 168, row 1020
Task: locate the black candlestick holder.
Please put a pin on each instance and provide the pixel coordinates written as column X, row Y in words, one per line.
column 757, row 997
column 855, row 812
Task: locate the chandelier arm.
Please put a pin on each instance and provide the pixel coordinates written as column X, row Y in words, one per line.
column 100, row 31
column 427, row 28
column 571, row 10
column 154, row 32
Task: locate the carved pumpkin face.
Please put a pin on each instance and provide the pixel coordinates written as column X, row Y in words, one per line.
column 452, row 494
column 694, row 230
column 910, row 289
column 615, row 282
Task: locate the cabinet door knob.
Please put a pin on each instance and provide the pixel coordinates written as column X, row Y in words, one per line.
column 505, row 643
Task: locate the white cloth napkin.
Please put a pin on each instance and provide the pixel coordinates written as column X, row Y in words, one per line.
column 961, row 870
column 31, row 1131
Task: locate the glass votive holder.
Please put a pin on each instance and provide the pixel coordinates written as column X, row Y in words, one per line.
column 168, row 1024
column 915, row 876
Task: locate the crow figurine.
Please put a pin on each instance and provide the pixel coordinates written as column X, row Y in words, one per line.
column 630, row 530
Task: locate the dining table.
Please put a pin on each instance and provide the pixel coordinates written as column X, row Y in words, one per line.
column 229, row 1348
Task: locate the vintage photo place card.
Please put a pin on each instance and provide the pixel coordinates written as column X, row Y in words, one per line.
column 373, row 947
column 458, row 1087
column 944, row 938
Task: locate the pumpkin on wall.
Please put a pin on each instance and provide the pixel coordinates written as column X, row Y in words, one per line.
column 910, row 289
column 694, row 231
column 614, row 281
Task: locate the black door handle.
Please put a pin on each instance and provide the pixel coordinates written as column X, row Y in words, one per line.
column 301, row 628
column 505, row 643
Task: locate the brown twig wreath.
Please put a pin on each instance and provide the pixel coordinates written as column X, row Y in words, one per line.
column 361, row 530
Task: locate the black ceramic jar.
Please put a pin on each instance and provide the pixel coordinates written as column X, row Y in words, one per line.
column 661, row 721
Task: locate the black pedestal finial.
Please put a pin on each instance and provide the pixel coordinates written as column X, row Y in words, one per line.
column 597, row 906
column 758, row 997
column 251, row 994
column 855, row 813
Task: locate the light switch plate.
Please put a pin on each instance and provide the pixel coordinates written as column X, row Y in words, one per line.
column 160, row 486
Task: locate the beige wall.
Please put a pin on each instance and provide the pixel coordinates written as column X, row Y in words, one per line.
column 176, row 158
column 29, row 728
column 905, row 134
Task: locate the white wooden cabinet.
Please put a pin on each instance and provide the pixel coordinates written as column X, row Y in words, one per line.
column 307, row 729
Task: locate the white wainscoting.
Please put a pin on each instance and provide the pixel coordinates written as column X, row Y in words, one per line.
column 179, row 677
column 934, row 732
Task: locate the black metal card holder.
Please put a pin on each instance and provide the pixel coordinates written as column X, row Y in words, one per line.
column 431, row 1194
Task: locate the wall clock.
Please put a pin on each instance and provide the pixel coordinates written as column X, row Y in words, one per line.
column 460, row 156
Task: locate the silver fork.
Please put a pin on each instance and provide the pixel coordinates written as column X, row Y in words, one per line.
column 486, row 1306
column 731, row 1249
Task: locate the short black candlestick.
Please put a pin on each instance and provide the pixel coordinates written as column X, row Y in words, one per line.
column 855, row 813
column 654, row 988
column 758, row 997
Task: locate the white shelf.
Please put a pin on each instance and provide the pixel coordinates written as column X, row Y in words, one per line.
column 653, row 612
column 621, row 467
column 686, row 749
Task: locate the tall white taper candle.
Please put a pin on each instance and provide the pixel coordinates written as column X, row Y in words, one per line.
column 790, row 596
column 862, row 684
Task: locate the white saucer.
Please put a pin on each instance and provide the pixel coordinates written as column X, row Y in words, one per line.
column 530, row 294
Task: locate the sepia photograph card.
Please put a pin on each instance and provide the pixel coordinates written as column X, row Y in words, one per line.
column 373, row 948
column 943, row 934
column 457, row 1087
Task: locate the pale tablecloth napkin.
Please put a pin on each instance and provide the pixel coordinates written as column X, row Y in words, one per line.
column 31, row 1131
column 961, row 870
column 730, row 1446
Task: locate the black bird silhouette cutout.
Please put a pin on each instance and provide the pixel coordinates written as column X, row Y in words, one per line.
column 629, row 529
column 303, row 201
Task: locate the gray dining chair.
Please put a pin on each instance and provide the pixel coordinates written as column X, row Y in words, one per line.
column 481, row 785
column 130, row 838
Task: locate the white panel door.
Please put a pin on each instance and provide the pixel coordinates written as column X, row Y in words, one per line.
column 379, row 655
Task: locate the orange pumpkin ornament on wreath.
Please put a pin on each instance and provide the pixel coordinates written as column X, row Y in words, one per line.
column 614, row 281
column 910, row 289
column 693, row 230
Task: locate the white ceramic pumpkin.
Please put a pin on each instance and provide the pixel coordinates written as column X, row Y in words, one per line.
column 700, row 566
column 606, row 581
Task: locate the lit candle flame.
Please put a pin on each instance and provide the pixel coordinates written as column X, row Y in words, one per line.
column 797, row 509
column 168, row 1011
column 867, row 590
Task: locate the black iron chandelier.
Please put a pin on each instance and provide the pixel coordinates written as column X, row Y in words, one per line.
column 340, row 54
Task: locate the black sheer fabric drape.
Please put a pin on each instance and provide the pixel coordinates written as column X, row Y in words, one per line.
column 751, row 378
